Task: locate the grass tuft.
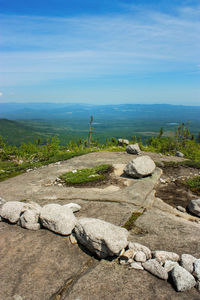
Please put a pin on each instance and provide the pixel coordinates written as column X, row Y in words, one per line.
column 194, row 184
column 131, row 221
column 82, row 176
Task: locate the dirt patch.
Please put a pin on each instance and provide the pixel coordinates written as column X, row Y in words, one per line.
column 172, row 189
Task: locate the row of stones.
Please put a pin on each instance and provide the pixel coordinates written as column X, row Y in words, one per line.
column 104, row 239
column 183, row 271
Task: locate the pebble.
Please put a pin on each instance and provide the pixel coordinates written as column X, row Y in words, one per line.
column 180, row 208
column 136, row 266
column 140, row 256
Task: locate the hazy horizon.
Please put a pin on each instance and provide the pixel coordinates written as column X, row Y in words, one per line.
column 100, row 52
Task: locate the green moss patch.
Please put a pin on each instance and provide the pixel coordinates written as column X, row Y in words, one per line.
column 131, row 221
column 86, row 176
column 194, row 184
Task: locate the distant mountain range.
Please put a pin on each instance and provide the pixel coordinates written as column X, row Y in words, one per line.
column 30, row 111
column 22, row 122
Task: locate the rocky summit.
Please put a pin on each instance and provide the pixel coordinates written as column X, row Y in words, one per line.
column 61, row 242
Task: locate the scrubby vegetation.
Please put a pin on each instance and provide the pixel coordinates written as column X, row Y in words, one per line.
column 194, row 184
column 82, row 176
column 17, row 159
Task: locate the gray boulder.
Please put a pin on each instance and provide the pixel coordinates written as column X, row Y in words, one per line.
column 138, row 247
column 58, row 218
column 179, row 154
column 140, row 167
column 12, row 210
column 194, row 207
column 182, row 279
column 122, row 142
column 100, row 237
column 73, row 206
column 197, row 269
column 153, row 266
column 163, row 256
column 187, row 262
column 133, row 149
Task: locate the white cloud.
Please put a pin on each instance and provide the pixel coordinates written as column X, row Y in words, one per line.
column 1, row 94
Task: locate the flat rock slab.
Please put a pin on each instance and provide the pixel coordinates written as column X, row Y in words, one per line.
column 36, row 264
column 110, row 281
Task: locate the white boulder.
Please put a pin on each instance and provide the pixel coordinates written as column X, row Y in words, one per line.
column 100, row 237
column 153, row 266
column 12, row 210
column 187, row 262
column 162, row 256
column 140, row 167
column 182, row 279
column 197, row 269
column 58, row 218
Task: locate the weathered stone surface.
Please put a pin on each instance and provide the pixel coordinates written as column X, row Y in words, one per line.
column 11, row 211
column 100, row 237
column 133, row 149
column 169, row 265
column 180, row 208
column 136, row 266
column 128, row 254
column 162, row 256
column 58, row 218
column 36, row 264
column 73, row 206
column 140, row 167
column 182, row 279
column 153, row 266
column 138, row 247
column 197, row 269
column 140, row 256
column 194, row 207
column 187, row 262
column 2, row 202
column 122, row 142
column 179, row 154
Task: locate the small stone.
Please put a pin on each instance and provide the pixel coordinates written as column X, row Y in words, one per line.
column 153, row 266
column 136, row 266
column 129, row 254
column 73, row 206
column 138, row 247
column 140, row 256
column 197, row 269
column 122, row 252
column 162, row 256
column 182, row 279
column 187, row 262
column 73, row 239
column 181, row 208
column 162, row 181
column 179, row 154
column 133, row 149
column 122, row 142
column 30, row 220
column 169, row 265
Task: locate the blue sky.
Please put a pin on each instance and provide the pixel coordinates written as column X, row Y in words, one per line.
column 100, row 51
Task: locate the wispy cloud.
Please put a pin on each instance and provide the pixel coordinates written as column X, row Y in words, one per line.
column 1, row 94
column 135, row 42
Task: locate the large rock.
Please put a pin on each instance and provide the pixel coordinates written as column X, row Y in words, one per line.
column 153, row 266
column 182, row 279
column 140, row 167
column 163, row 256
column 133, row 149
column 122, row 142
column 12, row 210
column 187, row 262
column 197, row 269
column 194, row 207
column 58, row 218
column 100, row 237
